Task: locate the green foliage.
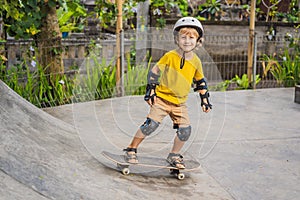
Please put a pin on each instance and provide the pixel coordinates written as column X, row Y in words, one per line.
column 160, row 22
column 242, row 83
column 95, row 80
column 23, row 18
column 223, row 86
column 107, row 12
column 71, row 16
column 211, row 6
column 285, row 68
column 165, row 7
column 292, row 17
column 10, row 9
column 135, row 80
column 287, row 72
column 274, row 15
column 106, row 82
column 100, row 79
column 183, row 7
column 34, row 85
column 162, row 8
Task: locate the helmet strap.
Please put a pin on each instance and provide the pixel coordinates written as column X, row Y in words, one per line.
column 182, row 61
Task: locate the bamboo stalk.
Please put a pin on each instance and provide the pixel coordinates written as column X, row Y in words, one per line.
column 118, row 46
column 251, row 40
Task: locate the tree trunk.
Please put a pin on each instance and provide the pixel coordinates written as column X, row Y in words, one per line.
column 50, row 44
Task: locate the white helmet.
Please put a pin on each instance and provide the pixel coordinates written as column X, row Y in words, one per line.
column 188, row 22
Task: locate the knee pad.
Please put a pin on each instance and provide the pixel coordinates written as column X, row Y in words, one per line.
column 149, row 126
column 183, row 133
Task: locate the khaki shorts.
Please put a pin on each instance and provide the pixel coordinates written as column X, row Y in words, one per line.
column 178, row 113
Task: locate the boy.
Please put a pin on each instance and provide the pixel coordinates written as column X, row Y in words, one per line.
column 177, row 69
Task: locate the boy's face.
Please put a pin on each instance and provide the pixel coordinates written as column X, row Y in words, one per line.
column 187, row 42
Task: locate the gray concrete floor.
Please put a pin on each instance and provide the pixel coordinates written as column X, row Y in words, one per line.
column 248, row 147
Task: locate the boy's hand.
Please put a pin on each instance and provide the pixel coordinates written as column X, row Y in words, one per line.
column 206, row 107
column 152, row 99
column 150, row 96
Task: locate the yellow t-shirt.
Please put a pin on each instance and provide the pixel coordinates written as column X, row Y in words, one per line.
column 175, row 83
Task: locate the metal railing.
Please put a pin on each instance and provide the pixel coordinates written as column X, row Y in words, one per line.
column 227, row 53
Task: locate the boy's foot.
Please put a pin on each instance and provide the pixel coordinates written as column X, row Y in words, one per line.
column 176, row 160
column 130, row 155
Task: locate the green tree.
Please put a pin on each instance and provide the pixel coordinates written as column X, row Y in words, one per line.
column 36, row 19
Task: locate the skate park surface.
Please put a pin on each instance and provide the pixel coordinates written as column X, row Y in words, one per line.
column 248, row 146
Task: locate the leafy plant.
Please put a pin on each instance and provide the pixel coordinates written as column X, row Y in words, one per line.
column 211, row 7
column 96, row 80
column 135, row 80
column 243, row 82
column 287, row 72
column 107, row 12
column 23, row 19
column 160, row 7
column 71, row 16
column 34, row 85
column 285, row 68
column 106, row 83
column 223, row 86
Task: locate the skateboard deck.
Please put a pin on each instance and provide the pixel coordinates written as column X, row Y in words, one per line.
column 152, row 162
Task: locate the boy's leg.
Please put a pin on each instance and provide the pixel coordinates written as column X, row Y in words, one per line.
column 131, row 150
column 137, row 139
column 157, row 113
column 174, row 157
column 177, row 146
column 181, row 119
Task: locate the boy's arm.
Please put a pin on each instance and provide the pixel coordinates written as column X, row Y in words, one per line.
column 153, row 76
column 201, row 86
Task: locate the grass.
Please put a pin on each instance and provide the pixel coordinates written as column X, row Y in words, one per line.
column 95, row 80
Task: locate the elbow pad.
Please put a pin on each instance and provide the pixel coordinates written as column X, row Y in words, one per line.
column 199, row 86
column 152, row 78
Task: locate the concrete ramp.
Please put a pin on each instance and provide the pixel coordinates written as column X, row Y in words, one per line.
column 42, row 153
column 42, row 157
column 248, row 147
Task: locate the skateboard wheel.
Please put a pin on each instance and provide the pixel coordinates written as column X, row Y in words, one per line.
column 180, row 176
column 125, row 171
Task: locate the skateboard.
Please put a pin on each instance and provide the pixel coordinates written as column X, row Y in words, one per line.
column 152, row 162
